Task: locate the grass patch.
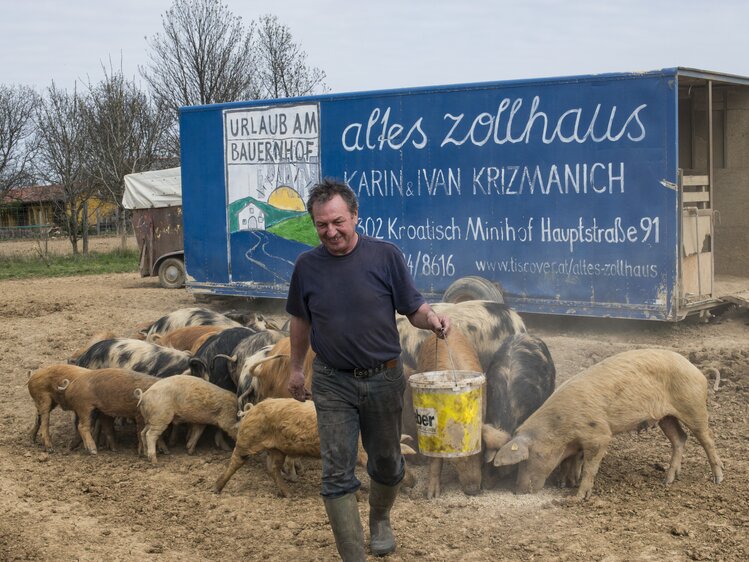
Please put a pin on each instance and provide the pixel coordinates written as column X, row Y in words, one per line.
column 298, row 228
column 24, row 267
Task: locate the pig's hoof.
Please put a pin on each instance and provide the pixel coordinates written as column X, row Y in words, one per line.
column 409, row 480
column 289, row 475
column 718, row 479
column 671, row 478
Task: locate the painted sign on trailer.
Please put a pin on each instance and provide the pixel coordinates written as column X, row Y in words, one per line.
column 563, row 191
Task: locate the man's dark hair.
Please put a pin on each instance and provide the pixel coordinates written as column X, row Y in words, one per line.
column 329, row 188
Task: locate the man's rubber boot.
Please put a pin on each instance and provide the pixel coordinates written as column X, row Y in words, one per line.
column 343, row 515
column 381, row 499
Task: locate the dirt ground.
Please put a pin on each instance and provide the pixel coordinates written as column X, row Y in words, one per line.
column 68, row 505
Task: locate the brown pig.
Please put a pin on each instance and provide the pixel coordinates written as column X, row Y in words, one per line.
column 282, row 426
column 185, row 399
column 109, row 392
column 184, row 338
column 627, row 391
column 44, row 389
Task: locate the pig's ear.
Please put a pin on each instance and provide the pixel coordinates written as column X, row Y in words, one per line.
column 493, row 438
column 406, row 450
column 512, row 453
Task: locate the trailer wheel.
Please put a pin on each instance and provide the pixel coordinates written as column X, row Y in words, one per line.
column 472, row 288
column 172, row 273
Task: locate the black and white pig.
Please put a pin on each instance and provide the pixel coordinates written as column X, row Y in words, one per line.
column 485, row 323
column 184, row 317
column 135, row 355
column 520, row 377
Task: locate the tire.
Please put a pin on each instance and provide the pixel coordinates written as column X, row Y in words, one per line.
column 473, row 288
column 172, row 273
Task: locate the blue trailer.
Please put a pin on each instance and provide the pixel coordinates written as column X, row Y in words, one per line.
column 586, row 195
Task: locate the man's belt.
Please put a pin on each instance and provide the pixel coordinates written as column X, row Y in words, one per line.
column 377, row 369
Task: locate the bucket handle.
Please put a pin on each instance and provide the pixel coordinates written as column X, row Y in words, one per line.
column 450, row 357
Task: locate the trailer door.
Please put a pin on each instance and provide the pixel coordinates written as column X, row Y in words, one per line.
column 696, row 239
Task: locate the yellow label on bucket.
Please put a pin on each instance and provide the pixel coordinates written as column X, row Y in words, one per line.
column 448, row 423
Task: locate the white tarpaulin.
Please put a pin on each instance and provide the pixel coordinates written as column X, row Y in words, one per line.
column 146, row 190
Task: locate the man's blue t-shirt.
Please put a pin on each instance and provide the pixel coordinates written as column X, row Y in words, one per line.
column 350, row 302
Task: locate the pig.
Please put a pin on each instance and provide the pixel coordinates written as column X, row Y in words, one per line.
column 626, row 391
column 520, row 377
column 184, row 399
column 210, row 363
column 453, row 353
column 198, row 343
column 247, row 348
column 141, row 356
column 43, row 386
column 195, row 316
column 266, row 374
column 252, row 320
column 184, row 338
column 107, row 391
column 485, row 323
column 281, row 426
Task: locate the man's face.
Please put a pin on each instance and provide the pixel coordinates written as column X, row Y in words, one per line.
column 335, row 225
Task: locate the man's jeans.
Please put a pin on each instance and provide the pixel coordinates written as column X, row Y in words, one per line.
column 345, row 405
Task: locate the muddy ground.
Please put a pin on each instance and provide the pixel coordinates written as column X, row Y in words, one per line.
column 68, row 505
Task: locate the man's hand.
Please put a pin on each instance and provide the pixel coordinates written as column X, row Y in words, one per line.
column 438, row 323
column 296, row 386
column 427, row 319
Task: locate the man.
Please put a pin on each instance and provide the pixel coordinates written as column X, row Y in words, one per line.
column 342, row 299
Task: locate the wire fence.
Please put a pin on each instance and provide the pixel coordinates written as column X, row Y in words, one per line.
column 105, row 226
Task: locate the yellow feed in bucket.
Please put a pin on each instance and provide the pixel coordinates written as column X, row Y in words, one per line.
column 448, row 406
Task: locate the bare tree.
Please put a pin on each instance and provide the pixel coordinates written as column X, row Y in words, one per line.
column 17, row 105
column 126, row 133
column 203, row 55
column 61, row 156
column 282, row 64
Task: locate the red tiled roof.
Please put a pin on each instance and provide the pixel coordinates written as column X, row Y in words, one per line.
column 33, row 194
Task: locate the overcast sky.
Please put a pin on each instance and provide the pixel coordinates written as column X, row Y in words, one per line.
column 397, row 43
